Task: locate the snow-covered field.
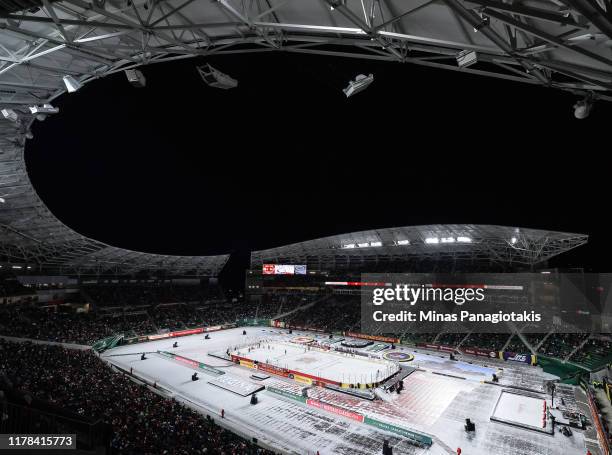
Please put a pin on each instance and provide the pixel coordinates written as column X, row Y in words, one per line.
column 430, row 402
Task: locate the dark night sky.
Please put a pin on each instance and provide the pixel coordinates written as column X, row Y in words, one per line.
column 182, row 168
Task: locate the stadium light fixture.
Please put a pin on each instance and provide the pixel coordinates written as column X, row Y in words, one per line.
column 10, row 114
column 359, row 84
column 16, row 267
column 216, row 78
column 349, row 245
column 72, row 85
column 513, row 240
column 583, row 107
column 432, row 240
column 464, row 239
column 403, row 242
column 41, row 112
column 466, row 58
column 375, row 243
column 363, row 245
column 136, row 78
column 448, row 240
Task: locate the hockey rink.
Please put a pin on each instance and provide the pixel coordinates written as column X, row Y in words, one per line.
column 334, row 366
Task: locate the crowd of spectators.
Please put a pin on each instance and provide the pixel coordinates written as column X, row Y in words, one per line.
column 29, row 321
column 490, row 341
column 330, row 313
column 10, row 288
column 595, row 352
column 451, row 338
column 135, row 294
column 142, row 422
column 146, row 308
column 561, row 345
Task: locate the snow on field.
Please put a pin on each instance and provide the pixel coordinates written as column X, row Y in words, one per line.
column 431, row 403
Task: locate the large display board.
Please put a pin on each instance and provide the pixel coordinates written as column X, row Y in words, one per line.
column 283, row 269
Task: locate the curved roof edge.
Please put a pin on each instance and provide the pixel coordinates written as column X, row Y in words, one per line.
column 31, row 236
column 473, row 242
column 563, row 47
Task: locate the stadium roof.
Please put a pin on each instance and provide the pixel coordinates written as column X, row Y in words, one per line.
column 438, row 242
column 564, row 44
column 31, row 236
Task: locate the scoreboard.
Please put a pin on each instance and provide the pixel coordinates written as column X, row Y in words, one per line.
column 283, row 269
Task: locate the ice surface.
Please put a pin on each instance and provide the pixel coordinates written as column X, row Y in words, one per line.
column 345, row 368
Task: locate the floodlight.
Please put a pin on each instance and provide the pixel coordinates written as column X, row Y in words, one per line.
column 582, row 108
column 403, row 242
column 72, row 85
column 432, row 240
column 466, row 58
column 349, row 245
column 41, row 112
column 136, row 78
column 10, row 114
column 375, row 243
column 216, row 78
column 363, row 245
column 513, row 240
column 359, row 84
column 464, row 239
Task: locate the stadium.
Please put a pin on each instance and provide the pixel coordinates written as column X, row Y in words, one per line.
column 113, row 350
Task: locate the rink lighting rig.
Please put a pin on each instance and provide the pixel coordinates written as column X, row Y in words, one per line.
column 48, row 48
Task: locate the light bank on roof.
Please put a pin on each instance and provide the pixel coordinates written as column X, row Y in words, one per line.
column 452, row 242
column 51, row 46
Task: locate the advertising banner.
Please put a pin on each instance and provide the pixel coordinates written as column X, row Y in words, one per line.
column 246, row 363
column 418, row 437
column 371, row 337
column 182, row 333
column 286, row 394
column 334, row 409
column 514, row 357
column 272, row 369
column 302, row 379
column 479, row 352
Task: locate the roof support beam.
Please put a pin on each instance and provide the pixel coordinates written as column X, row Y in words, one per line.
column 593, row 13
column 482, row 26
column 531, row 12
column 545, row 36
